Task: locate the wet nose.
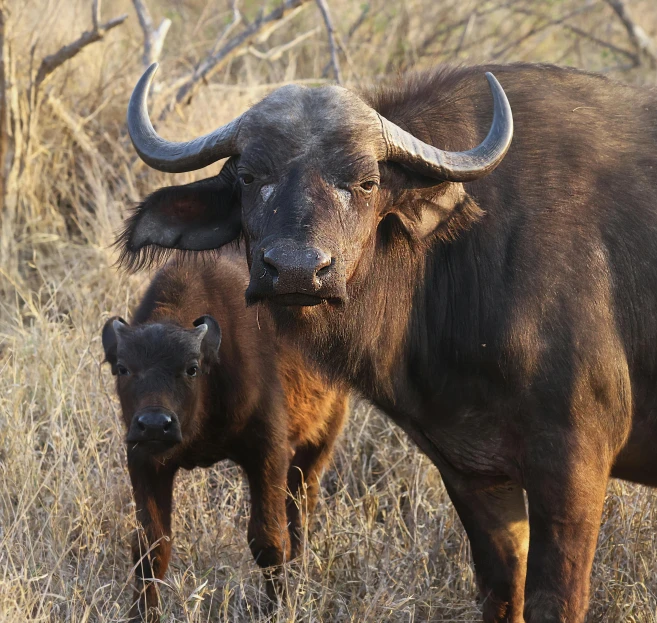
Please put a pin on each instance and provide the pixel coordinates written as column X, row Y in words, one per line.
column 154, row 425
column 305, row 267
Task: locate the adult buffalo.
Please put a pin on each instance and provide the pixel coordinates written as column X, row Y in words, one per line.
column 507, row 322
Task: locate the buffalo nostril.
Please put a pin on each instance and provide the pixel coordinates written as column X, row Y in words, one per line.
column 323, row 261
column 324, row 270
column 270, row 263
column 167, row 424
column 140, row 425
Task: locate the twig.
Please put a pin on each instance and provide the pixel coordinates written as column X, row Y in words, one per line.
column 603, row 44
column 323, row 7
column 95, row 13
column 153, row 39
column 261, row 28
column 75, row 126
column 275, row 53
column 237, row 18
column 536, row 28
column 53, row 61
column 360, row 20
column 640, row 40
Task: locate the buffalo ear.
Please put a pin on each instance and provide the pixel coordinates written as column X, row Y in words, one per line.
column 427, row 207
column 211, row 341
column 110, row 341
column 200, row 216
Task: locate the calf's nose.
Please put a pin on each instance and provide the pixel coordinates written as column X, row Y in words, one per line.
column 304, row 267
column 154, row 425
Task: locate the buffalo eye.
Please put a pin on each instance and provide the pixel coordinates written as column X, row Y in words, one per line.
column 122, row 370
column 368, row 186
column 192, row 371
column 246, row 179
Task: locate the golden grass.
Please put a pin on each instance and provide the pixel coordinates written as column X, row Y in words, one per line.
column 387, row 544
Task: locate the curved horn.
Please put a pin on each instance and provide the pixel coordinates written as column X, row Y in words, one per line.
column 174, row 157
column 455, row 166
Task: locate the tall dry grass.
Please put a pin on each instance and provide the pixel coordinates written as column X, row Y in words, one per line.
column 386, row 544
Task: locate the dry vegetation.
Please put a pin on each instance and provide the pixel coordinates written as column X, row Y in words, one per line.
column 387, row 544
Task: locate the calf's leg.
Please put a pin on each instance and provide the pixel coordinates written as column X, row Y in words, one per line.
column 495, row 520
column 151, row 549
column 268, row 532
column 306, row 469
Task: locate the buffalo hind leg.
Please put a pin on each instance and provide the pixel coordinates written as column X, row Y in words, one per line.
column 495, row 520
column 303, row 480
column 151, row 549
column 565, row 508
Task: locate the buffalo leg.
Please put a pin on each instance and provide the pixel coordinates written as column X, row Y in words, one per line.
column 495, row 520
column 152, row 489
column 306, row 469
column 565, row 507
column 268, row 532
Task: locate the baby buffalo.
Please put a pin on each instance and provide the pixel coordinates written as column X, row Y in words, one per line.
column 201, row 378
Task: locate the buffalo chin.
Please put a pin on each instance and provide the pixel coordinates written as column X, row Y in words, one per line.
column 151, row 447
column 297, row 299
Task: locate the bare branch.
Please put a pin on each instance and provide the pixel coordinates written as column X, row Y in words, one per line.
column 275, row 53
column 603, row 44
column 153, row 39
column 76, row 127
column 538, row 27
column 640, row 40
column 260, row 28
column 323, row 7
column 53, row 61
column 237, row 18
column 95, row 13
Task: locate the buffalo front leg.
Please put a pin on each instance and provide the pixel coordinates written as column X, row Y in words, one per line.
column 305, row 472
column 495, row 520
column 152, row 486
column 268, row 530
column 565, row 507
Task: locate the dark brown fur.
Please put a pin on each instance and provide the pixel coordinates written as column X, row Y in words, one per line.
column 260, row 405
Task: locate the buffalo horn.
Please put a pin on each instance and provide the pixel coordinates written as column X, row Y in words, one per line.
column 169, row 156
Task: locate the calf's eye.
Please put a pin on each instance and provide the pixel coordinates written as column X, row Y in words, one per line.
column 122, row 370
column 246, row 178
column 192, row 371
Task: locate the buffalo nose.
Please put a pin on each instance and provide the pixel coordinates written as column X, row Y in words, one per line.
column 154, row 425
column 305, row 266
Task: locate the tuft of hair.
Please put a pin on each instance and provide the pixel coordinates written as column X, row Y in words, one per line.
column 153, row 255
column 464, row 216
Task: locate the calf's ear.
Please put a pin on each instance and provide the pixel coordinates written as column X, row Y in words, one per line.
column 211, row 340
column 110, row 340
column 200, row 216
column 426, row 207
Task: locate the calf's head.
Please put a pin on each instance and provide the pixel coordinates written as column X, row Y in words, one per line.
column 158, row 369
column 311, row 175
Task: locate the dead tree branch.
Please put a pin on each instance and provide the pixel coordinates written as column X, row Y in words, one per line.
column 323, row 7
column 153, row 38
column 275, row 53
column 53, row 61
column 237, row 18
column 258, row 30
column 640, row 40
column 603, row 44
column 540, row 25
